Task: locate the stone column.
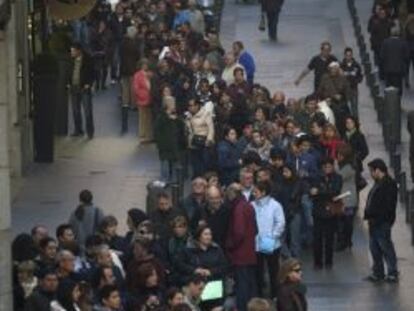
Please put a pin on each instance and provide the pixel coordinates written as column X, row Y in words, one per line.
column 6, row 300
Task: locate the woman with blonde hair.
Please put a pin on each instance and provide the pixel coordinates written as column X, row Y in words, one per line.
column 291, row 294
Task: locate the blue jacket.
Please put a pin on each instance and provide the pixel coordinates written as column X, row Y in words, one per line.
column 270, row 221
column 306, row 164
column 228, row 161
column 247, row 60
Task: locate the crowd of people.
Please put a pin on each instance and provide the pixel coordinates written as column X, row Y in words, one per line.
column 392, row 42
column 270, row 176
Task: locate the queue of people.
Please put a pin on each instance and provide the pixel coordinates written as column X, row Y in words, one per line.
column 270, row 175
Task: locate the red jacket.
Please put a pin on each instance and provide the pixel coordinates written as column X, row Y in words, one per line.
column 241, row 234
column 332, row 147
column 142, row 89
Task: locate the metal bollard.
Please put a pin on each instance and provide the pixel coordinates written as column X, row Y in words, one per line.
column 393, row 102
column 403, row 188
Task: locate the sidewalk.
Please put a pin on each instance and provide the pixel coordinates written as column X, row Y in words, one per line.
column 115, row 168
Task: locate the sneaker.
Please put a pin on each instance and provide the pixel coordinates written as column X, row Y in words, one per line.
column 391, row 279
column 373, row 278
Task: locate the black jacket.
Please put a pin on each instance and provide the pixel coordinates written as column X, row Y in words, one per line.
column 87, row 71
column 194, row 257
column 218, row 222
column 353, row 72
column 291, row 297
column 162, row 222
column 328, row 187
column 39, row 301
column 359, row 146
column 394, row 55
column 382, row 202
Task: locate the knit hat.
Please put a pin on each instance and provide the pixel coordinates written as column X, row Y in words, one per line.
column 137, row 216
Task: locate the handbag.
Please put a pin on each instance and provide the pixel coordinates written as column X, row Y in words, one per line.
column 262, row 22
column 336, row 208
column 198, row 141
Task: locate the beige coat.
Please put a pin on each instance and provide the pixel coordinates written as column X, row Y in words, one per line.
column 200, row 124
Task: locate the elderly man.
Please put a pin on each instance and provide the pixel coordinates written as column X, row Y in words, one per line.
column 230, row 65
column 247, row 182
column 240, row 245
column 278, row 108
column 196, row 200
column 334, row 87
column 215, row 214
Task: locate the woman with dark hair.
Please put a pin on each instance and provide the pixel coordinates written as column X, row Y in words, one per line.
column 205, row 258
column 290, row 191
column 108, row 231
column 67, row 297
column 174, row 297
column 134, row 218
column 322, row 193
column 148, row 293
column 331, row 140
column 348, row 173
column 86, row 218
column 356, row 139
column 229, row 155
column 292, row 292
column 261, row 117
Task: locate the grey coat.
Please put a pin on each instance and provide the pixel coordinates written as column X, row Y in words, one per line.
column 88, row 225
column 347, row 173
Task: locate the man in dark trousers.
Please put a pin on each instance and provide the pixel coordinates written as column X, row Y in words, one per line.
column 272, row 9
column 319, row 64
column 240, row 245
column 353, row 73
column 394, row 58
column 380, row 214
column 83, row 75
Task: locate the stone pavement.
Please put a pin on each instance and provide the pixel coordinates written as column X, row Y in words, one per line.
column 116, row 170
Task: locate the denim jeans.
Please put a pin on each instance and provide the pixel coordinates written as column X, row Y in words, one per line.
column 382, row 249
column 245, row 285
column 82, row 99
